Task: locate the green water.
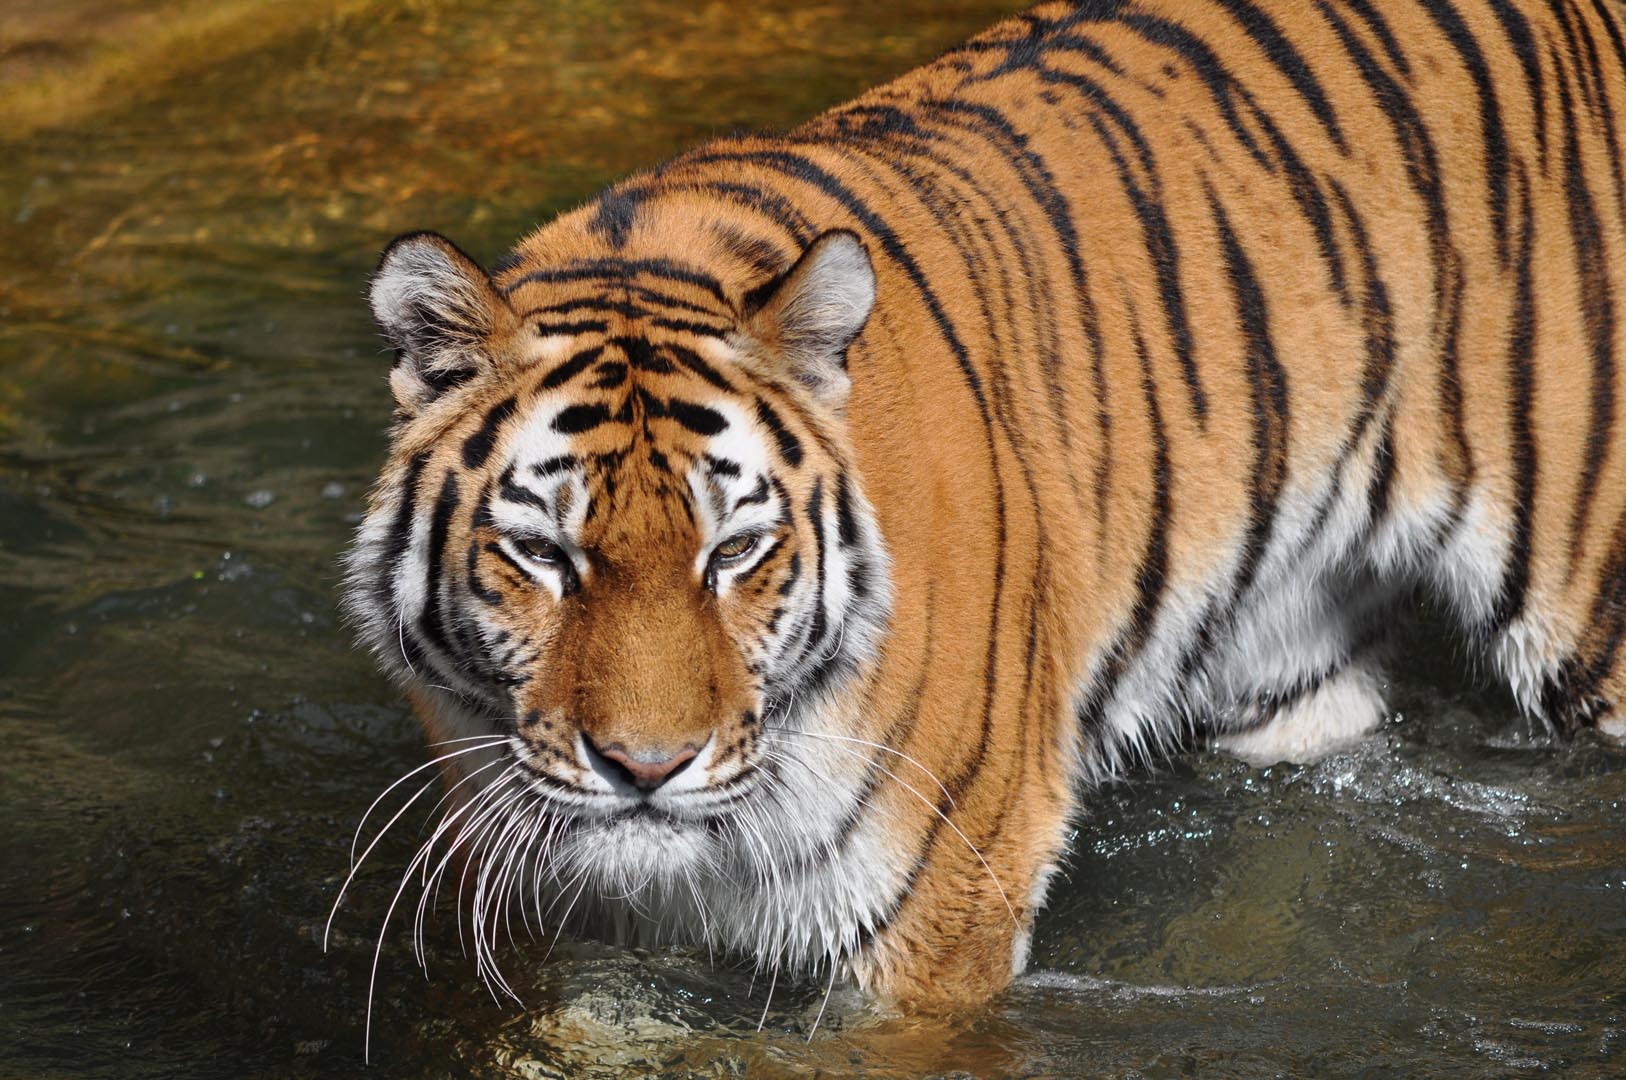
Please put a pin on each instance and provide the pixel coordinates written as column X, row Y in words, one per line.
column 191, row 407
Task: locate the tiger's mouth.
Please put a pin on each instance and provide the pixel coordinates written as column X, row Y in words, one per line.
column 700, row 792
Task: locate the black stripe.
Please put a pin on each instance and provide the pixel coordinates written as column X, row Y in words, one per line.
column 859, row 575
column 1280, row 52
column 1042, row 38
column 430, row 622
column 1449, row 20
column 1618, row 46
column 497, row 549
column 662, row 299
column 1151, row 573
column 641, row 355
column 486, row 596
column 1449, row 386
column 573, row 327
column 691, row 360
column 793, row 575
column 1573, row 697
column 690, row 326
column 1574, row 51
column 555, row 465
column 1521, row 346
column 652, row 406
column 617, row 215
column 1042, row 188
column 594, row 303
column 516, row 493
column 599, row 269
column 1383, row 475
column 610, row 374
column 762, row 255
column 790, row 447
column 1221, row 85
column 579, row 418
column 758, row 496
column 1159, row 237
column 1598, row 315
column 846, row 523
column 1603, row 106
column 1380, row 29
column 620, row 304
column 697, row 418
column 724, row 467
column 1164, row 254
column 1377, row 324
column 815, row 516
column 1517, row 29
column 399, row 536
column 571, row 368
column 767, row 557
column 477, row 448
column 770, row 204
column 1268, row 384
column 1416, row 149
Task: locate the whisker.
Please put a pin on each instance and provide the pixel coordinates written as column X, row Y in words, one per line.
column 468, row 738
column 400, row 640
column 564, row 920
column 378, row 952
column 825, row 1003
column 356, row 838
column 430, row 882
column 356, row 864
column 934, row 809
column 879, row 746
column 766, row 1005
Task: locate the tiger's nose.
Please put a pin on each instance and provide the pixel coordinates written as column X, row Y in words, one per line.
column 645, row 771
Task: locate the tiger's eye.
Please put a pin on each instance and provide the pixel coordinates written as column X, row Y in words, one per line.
column 545, row 551
column 735, row 546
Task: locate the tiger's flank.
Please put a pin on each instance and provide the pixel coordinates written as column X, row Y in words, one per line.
column 778, row 548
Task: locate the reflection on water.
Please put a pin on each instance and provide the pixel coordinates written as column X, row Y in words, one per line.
column 191, row 400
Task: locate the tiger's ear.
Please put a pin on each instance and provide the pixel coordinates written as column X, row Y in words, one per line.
column 810, row 314
column 440, row 313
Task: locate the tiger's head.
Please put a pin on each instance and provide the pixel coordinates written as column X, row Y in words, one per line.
column 620, row 534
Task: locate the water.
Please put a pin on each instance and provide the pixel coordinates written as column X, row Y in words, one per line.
column 191, row 407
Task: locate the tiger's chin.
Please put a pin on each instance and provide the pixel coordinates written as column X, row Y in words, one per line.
column 638, row 852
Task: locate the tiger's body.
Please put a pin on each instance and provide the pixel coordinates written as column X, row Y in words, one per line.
column 1199, row 333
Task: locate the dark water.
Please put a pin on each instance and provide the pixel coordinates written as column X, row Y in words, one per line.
column 191, row 403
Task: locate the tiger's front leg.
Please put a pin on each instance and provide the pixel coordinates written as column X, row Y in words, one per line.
column 978, row 867
column 954, row 943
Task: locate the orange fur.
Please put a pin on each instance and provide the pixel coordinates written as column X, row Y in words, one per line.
column 1154, row 288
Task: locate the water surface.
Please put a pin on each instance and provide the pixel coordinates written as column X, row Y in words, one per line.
column 191, row 407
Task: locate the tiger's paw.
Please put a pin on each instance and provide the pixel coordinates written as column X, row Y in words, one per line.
column 1339, row 712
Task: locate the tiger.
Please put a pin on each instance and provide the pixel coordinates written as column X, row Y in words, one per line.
column 780, row 547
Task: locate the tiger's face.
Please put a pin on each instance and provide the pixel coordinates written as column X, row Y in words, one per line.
column 624, row 546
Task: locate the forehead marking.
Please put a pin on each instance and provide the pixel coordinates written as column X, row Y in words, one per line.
column 571, row 368
column 477, row 447
column 575, row 419
column 611, row 374
column 570, row 327
column 697, row 418
column 790, row 447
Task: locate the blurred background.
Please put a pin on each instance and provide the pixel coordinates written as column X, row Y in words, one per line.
column 192, row 404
